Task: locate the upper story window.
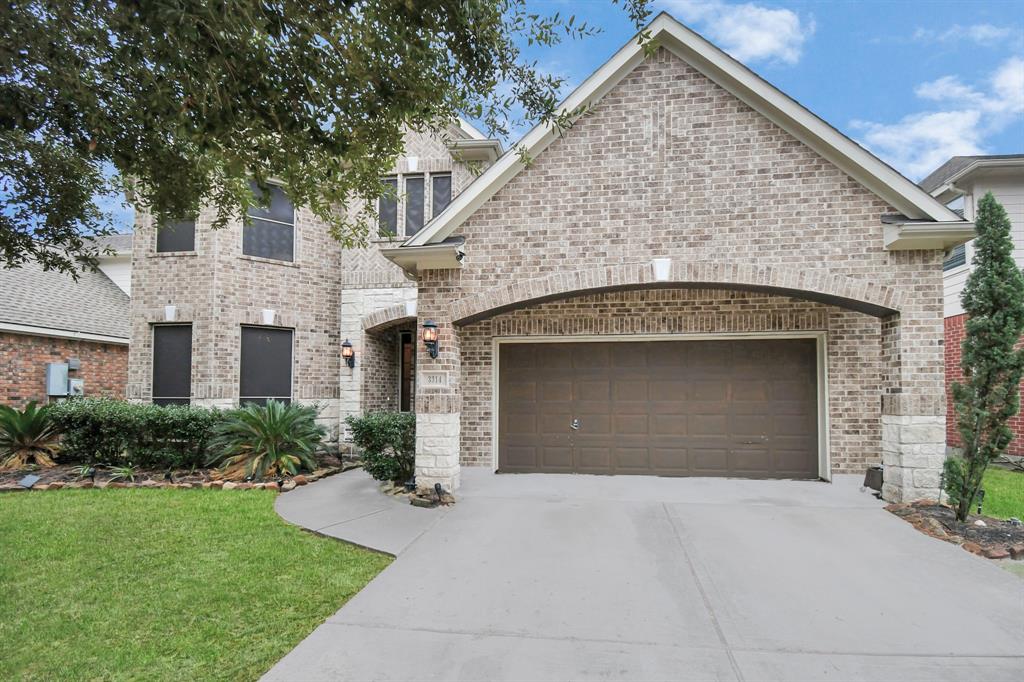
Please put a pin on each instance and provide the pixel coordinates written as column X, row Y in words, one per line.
column 441, row 193
column 271, row 232
column 179, row 235
column 413, row 204
column 387, row 208
column 411, row 198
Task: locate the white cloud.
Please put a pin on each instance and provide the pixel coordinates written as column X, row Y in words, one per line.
column 749, row 32
column 967, row 116
column 981, row 34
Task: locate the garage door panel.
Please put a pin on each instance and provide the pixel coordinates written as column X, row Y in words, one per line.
column 675, row 408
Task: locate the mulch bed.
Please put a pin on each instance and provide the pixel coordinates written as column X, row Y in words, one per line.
column 996, row 539
column 64, row 476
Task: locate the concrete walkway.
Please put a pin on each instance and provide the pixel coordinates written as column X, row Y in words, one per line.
column 543, row 577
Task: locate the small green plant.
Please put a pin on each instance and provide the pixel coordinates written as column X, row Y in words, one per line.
column 83, row 471
column 27, row 437
column 388, row 443
column 273, row 440
column 125, row 472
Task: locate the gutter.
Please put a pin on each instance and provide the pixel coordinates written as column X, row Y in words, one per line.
column 906, row 235
column 30, row 330
column 446, row 255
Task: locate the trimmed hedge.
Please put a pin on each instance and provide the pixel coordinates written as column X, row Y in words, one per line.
column 388, row 442
column 105, row 431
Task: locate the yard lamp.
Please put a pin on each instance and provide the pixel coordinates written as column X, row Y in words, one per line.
column 430, row 337
column 348, row 353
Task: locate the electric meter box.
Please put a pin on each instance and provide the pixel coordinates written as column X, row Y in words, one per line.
column 57, row 378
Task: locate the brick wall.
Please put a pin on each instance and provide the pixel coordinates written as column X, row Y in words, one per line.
column 23, row 361
column 852, row 341
column 955, row 328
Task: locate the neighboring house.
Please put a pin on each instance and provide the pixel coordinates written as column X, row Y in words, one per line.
column 966, row 179
column 46, row 317
column 699, row 278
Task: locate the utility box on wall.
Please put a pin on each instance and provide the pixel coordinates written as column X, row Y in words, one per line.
column 57, row 379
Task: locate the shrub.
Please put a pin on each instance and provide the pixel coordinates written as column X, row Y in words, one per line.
column 101, row 430
column 257, row 441
column 388, row 442
column 26, row 437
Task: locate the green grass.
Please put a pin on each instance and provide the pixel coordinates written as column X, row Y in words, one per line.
column 161, row 584
column 1004, row 493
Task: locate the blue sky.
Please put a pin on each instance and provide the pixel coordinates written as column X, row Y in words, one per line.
column 914, row 81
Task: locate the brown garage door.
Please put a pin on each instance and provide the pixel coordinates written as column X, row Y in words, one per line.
column 745, row 408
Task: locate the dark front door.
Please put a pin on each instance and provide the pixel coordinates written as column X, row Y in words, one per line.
column 743, row 408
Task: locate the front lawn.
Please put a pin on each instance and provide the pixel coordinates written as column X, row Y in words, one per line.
column 162, row 584
column 1004, row 493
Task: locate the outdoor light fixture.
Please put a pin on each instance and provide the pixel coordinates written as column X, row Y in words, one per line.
column 348, row 353
column 430, row 337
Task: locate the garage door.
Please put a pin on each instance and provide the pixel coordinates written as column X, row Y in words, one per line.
column 744, row 408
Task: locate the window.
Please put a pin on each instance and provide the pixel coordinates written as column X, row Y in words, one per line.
column 387, row 208
column 266, row 365
column 179, row 235
column 172, row 364
column 413, row 205
column 957, row 257
column 407, row 372
column 441, row 193
column 271, row 232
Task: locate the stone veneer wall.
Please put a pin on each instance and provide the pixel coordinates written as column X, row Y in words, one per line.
column 670, row 165
column 853, row 343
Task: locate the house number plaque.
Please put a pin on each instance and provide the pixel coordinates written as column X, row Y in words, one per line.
column 434, row 379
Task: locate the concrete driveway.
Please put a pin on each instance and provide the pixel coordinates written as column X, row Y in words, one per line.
column 546, row 577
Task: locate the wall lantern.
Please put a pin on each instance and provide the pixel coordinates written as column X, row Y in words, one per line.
column 348, row 353
column 430, row 337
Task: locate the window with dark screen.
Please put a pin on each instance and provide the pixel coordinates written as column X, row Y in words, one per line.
column 441, row 193
column 413, row 205
column 387, row 208
column 407, row 372
column 172, row 364
column 271, row 231
column 179, row 235
column 266, row 365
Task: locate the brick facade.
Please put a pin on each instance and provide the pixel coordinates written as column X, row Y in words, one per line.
column 955, row 327
column 23, row 360
column 670, row 165
column 853, row 343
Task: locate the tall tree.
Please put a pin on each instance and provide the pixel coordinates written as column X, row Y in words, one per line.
column 992, row 364
column 189, row 99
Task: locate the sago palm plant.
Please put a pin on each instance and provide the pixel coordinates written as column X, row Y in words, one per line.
column 27, row 437
column 274, row 440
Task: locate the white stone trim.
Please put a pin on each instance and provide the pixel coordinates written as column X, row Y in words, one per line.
column 821, row 337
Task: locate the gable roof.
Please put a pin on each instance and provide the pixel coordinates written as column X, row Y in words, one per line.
column 959, row 166
column 863, row 166
column 51, row 303
column 119, row 243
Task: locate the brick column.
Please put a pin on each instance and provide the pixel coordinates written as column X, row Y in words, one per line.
column 438, row 386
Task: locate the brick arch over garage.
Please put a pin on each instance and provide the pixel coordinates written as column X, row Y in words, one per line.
column 815, row 285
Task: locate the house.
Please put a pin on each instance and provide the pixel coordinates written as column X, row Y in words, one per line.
column 47, row 318
column 698, row 278
column 965, row 180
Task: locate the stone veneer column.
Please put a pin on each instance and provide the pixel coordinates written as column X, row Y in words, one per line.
column 438, row 387
column 913, row 415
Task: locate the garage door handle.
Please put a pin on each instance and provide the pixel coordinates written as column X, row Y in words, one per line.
column 574, row 425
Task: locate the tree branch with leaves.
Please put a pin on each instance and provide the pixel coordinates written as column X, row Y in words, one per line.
column 190, row 99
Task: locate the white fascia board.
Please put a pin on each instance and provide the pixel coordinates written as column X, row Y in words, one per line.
column 925, row 235
column 30, row 330
column 471, row 131
column 902, row 194
column 430, row 257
